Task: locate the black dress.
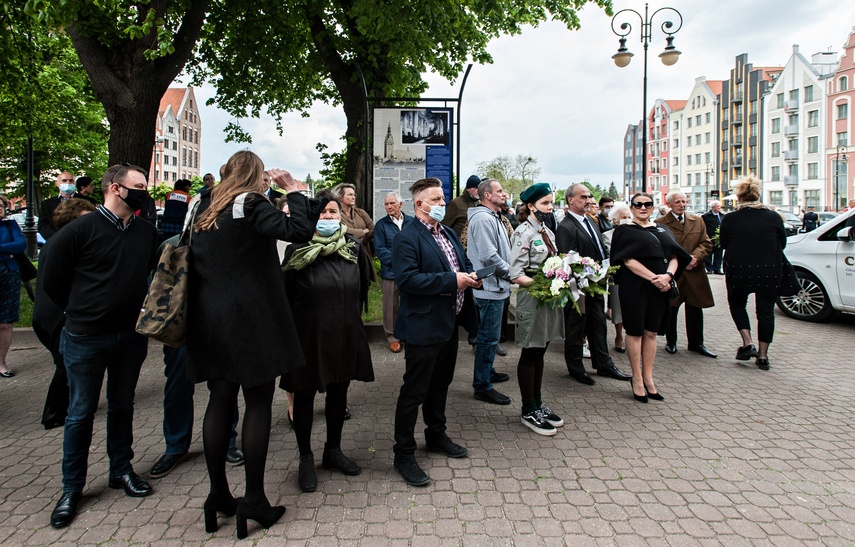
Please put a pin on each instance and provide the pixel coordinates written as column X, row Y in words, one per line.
column 326, row 301
column 643, row 306
column 240, row 323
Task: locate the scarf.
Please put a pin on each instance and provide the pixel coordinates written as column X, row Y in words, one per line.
column 751, row 205
column 323, row 246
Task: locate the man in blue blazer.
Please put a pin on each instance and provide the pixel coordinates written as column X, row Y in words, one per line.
column 385, row 231
column 431, row 272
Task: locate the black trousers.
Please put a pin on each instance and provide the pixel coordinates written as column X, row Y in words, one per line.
column 764, row 301
column 694, row 325
column 429, row 371
column 713, row 261
column 592, row 324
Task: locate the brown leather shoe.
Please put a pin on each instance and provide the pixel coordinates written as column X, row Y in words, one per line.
column 395, row 347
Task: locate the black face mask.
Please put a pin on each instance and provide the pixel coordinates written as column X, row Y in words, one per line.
column 136, row 198
column 541, row 216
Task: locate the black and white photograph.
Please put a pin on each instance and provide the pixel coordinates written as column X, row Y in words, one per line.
column 424, row 127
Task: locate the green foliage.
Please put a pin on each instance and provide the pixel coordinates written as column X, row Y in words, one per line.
column 46, row 93
column 160, row 191
column 197, row 185
column 613, row 191
column 515, row 174
column 333, row 171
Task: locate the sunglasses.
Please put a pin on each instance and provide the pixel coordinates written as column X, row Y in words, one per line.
column 642, row 204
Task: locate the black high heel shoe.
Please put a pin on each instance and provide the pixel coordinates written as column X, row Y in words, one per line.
column 654, row 396
column 265, row 518
column 639, row 398
column 213, row 505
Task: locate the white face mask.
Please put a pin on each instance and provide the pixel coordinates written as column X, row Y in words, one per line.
column 626, row 221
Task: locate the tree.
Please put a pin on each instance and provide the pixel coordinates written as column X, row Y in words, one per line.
column 515, row 174
column 613, row 191
column 280, row 56
column 46, row 94
column 132, row 51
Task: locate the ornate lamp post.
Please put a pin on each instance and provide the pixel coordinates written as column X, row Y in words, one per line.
column 710, row 178
column 669, row 56
column 840, row 149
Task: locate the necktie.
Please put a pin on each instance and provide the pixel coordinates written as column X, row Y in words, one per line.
column 594, row 237
column 548, row 242
column 680, row 218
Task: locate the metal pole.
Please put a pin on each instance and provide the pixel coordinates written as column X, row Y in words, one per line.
column 459, row 119
column 645, row 38
column 30, row 220
column 836, row 180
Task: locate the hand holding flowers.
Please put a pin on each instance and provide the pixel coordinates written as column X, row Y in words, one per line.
column 562, row 279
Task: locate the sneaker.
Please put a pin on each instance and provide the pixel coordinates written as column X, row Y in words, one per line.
column 536, row 422
column 586, row 353
column 551, row 417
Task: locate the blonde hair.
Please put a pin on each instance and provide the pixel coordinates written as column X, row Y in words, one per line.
column 242, row 173
column 748, row 188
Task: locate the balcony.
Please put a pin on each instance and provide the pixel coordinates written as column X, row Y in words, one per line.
column 737, row 162
column 725, row 123
column 791, row 130
column 791, row 180
column 724, row 166
column 737, row 120
column 791, row 106
column 724, row 144
column 737, row 97
column 752, row 118
column 737, row 141
column 752, row 141
column 752, row 164
column 791, row 155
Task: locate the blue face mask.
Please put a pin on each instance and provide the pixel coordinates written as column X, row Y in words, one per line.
column 67, row 188
column 327, row 227
column 437, row 212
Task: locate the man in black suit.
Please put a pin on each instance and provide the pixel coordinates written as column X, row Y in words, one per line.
column 578, row 233
column 712, row 219
column 431, row 271
column 65, row 183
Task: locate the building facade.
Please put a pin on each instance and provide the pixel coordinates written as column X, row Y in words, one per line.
column 632, row 159
column 840, row 98
column 741, row 122
column 658, row 147
column 176, row 153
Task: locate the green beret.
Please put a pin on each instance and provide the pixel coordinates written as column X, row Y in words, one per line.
column 535, row 192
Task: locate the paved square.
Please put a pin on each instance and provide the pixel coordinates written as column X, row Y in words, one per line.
column 734, row 456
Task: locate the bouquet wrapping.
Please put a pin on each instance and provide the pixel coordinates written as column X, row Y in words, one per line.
column 563, row 279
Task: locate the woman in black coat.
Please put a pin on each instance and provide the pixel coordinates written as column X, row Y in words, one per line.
column 753, row 239
column 327, row 285
column 241, row 335
column 650, row 258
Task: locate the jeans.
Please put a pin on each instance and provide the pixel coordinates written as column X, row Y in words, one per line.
column 87, row 359
column 489, row 330
column 178, row 403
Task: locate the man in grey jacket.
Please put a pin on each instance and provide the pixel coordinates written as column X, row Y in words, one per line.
column 488, row 245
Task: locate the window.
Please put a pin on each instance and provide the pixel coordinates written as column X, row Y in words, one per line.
column 698, row 119
column 812, row 198
column 690, row 122
column 184, row 132
column 793, row 144
column 754, row 107
column 697, row 159
column 813, row 145
column 776, row 197
column 808, row 93
column 776, row 125
column 676, row 160
column 196, row 159
column 776, row 173
column 175, row 146
column 707, row 158
column 707, row 137
column 184, row 157
column 174, row 160
column 708, row 116
column 676, row 143
column 697, row 179
column 813, row 118
column 793, row 119
column 794, row 94
column 843, row 139
column 776, row 149
column 843, row 83
column 664, row 163
column 170, row 129
column 813, row 170
column 676, row 125
column 676, row 180
column 698, row 139
column 664, row 146
column 753, row 130
column 842, row 111
column 689, row 160
column 688, row 141
column 780, row 100
column 724, row 115
column 794, row 170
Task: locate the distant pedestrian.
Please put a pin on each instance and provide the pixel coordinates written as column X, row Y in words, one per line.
column 385, row 232
column 175, row 208
column 810, row 220
column 712, row 220
column 65, row 185
column 11, row 243
column 753, row 239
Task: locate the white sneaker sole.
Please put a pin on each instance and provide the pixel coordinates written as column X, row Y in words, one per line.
column 553, row 423
column 539, row 431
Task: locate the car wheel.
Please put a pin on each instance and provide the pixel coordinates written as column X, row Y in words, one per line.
column 811, row 303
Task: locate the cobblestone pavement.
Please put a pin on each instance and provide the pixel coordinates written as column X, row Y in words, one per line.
column 734, row 456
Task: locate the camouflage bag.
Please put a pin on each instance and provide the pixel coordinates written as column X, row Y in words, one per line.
column 164, row 312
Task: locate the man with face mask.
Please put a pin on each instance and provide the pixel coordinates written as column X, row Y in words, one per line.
column 97, row 272
column 432, row 273
column 67, row 187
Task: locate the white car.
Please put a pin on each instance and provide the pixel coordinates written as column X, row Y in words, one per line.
column 824, row 260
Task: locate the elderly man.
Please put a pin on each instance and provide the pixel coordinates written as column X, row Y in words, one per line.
column 712, row 220
column 690, row 232
column 432, row 273
column 577, row 232
column 97, row 271
column 385, row 231
column 65, row 184
column 488, row 245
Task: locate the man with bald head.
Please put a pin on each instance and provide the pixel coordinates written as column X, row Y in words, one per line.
column 66, row 185
column 691, row 233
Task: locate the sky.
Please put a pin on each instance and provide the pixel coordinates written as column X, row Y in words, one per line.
column 556, row 95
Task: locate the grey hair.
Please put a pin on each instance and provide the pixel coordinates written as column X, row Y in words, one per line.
column 616, row 211
column 569, row 193
column 485, row 186
column 671, row 195
column 397, row 197
column 715, row 202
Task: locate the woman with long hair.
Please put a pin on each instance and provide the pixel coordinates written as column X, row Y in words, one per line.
column 753, row 239
column 242, row 335
column 650, row 258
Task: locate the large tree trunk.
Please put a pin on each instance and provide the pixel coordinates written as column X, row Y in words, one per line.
column 130, row 86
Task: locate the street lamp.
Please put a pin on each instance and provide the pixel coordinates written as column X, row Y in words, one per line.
column 840, row 149
column 669, row 56
column 710, row 178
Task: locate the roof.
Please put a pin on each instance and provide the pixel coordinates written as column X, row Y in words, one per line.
column 676, row 105
column 174, row 96
column 715, row 86
column 769, row 72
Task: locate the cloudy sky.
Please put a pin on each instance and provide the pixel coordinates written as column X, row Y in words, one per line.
column 557, row 96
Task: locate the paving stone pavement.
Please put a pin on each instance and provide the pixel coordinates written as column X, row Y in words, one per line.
column 734, row 456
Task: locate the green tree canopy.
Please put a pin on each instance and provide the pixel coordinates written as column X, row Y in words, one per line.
column 515, row 174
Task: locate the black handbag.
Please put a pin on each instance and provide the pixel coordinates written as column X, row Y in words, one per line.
column 789, row 283
column 673, row 292
column 27, row 270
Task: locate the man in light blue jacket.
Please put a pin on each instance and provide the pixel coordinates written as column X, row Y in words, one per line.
column 488, row 245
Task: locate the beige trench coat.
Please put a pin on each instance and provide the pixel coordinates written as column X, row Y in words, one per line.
column 692, row 236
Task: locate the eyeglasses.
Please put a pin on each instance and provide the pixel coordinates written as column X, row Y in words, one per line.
column 642, row 204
